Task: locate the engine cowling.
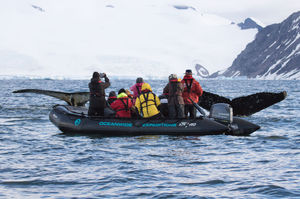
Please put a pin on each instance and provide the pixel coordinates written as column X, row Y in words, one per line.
column 221, row 112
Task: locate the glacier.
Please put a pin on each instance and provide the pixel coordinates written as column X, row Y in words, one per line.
column 71, row 39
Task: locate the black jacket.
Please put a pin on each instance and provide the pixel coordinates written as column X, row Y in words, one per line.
column 97, row 92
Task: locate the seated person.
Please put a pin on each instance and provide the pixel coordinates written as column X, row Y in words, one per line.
column 147, row 103
column 111, row 97
column 122, row 105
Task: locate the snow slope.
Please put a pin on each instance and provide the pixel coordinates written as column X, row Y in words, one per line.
column 73, row 38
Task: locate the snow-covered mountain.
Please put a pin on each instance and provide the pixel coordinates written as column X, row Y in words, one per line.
column 67, row 38
column 251, row 23
column 274, row 54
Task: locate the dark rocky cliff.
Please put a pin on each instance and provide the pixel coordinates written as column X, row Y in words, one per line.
column 274, row 53
column 249, row 24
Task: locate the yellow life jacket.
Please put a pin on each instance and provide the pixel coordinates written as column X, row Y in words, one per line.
column 147, row 102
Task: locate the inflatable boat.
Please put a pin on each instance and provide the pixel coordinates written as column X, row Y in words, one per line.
column 71, row 119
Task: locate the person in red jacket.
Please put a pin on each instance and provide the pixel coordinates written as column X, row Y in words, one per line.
column 193, row 90
column 111, row 97
column 122, row 105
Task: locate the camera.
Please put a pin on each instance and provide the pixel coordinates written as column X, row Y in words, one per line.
column 102, row 75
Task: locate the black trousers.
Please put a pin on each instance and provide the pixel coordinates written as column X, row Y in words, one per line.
column 176, row 111
column 164, row 109
column 97, row 105
column 96, row 111
column 191, row 110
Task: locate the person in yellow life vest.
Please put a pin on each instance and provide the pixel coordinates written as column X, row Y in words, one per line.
column 147, row 103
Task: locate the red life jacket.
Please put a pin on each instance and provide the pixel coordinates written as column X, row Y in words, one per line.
column 122, row 107
column 111, row 99
column 192, row 89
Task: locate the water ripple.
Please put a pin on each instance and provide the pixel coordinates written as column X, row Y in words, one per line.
column 269, row 191
column 37, row 161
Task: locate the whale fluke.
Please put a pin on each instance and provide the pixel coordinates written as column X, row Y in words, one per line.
column 245, row 105
column 73, row 99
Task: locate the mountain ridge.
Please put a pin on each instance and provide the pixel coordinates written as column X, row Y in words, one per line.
column 273, row 54
column 250, row 23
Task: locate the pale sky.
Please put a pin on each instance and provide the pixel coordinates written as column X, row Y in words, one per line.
column 267, row 11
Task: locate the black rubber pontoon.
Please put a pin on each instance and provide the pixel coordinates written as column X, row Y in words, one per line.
column 70, row 119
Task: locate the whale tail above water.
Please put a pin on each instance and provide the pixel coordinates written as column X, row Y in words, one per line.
column 242, row 106
column 245, row 105
column 73, row 99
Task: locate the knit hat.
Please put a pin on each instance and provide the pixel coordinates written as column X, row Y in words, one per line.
column 139, row 80
column 188, row 72
column 112, row 94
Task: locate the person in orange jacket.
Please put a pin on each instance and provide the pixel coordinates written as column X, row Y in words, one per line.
column 193, row 90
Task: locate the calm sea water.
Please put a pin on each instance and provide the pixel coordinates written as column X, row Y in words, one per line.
column 37, row 161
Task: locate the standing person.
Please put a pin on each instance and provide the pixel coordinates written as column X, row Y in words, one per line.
column 97, row 94
column 147, row 103
column 193, row 90
column 122, row 105
column 174, row 90
column 136, row 88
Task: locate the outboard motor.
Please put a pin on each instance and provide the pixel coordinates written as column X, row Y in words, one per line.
column 222, row 113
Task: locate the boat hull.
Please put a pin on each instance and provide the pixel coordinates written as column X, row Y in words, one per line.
column 71, row 119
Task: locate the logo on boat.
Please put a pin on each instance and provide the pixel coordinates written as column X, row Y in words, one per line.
column 115, row 124
column 187, row 124
column 77, row 122
column 159, row 125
